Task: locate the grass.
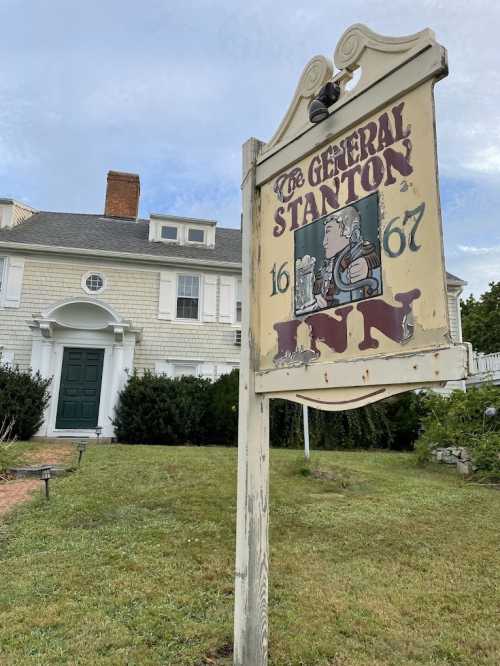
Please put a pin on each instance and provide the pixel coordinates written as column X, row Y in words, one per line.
column 373, row 562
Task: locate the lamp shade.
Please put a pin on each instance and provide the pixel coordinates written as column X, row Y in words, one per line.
column 317, row 111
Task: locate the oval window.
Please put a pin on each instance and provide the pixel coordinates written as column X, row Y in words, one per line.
column 94, row 282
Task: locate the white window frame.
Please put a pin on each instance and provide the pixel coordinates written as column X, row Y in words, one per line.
column 3, row 276
column 200, row 303
column 6, row 358
column 238, row 283
column 11, row 287
column 175, row 240
column 194, row 228
column 86, row 276
column 168, row 367
column 186, row 364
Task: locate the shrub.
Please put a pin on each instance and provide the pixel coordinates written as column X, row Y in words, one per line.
column 405, row 413
column 223, row 412
column 366, row 427
column 486, row 453
column 160, row 410
column 23, row 400
column 458, row 420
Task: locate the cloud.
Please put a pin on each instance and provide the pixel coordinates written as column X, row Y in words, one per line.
column 471, row 249
column 477, row 265
column 172, row 91
column 486, row 160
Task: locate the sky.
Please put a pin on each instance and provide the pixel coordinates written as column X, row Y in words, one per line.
column 171, row 90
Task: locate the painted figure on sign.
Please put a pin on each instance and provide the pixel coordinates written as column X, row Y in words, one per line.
column 349, row 262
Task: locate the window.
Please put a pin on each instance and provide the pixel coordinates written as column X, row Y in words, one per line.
column 7, row 359
column 169, row 233
column 196, row 236
column 185, row 370
column 93, row 283
column 188, row 296
column 2, row 270
column 238, row 301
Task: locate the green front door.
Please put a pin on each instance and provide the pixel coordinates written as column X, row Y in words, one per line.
column 80, row 389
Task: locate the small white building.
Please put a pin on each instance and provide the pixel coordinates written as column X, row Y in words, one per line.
column 85, row 299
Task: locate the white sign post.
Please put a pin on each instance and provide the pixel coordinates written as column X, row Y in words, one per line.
column 251, row 586
column 344, row 293
column 305, row 416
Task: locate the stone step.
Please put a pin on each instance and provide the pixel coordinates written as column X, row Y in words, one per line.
column 34, row 471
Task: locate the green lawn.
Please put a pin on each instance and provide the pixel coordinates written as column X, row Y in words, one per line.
column 131, row 562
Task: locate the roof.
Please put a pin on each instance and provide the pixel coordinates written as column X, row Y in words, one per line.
column 96, row 232
column 454, row 280
column 176, row 218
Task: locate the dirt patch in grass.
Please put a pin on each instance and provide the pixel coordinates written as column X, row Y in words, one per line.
column 333, row 479
column 340, row 479
column 14, row 492
column 51, row 454
column 220, row 656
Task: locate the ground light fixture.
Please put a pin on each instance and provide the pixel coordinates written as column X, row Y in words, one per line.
column 81, row 446
column 45, row 476
column 328, row 95
column 98, row 431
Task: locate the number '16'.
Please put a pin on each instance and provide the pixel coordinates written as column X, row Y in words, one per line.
column 281, row 279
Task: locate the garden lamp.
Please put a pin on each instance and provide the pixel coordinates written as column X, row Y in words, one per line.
column 45, row 476
column 81, row 446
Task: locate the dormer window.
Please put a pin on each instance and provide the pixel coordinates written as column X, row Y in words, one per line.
column 196, row 236
column 171, row 229
column 169, row 233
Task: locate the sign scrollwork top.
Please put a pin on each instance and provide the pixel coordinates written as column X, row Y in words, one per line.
column 358, row 48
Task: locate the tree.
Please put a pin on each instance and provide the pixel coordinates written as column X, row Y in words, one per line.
column 481, row 320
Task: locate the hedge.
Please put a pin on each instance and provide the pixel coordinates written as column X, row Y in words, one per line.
column 161, row 410
column 459, row 420
column 23, row 400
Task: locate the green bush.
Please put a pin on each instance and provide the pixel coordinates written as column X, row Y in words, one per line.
column 160, row 410
column 223, row 412
column 23, row 400
column 366, row 427
column 458, row 420
column 486, row 453
column 405, row 413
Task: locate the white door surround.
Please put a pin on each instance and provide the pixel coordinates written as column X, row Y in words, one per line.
column 86, row 323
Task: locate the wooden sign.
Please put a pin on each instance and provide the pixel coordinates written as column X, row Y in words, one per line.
column 343, row 274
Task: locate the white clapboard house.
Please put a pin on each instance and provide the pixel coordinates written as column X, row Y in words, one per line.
column 85, row 299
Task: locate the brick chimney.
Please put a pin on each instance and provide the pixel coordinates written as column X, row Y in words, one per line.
column 122, row 195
